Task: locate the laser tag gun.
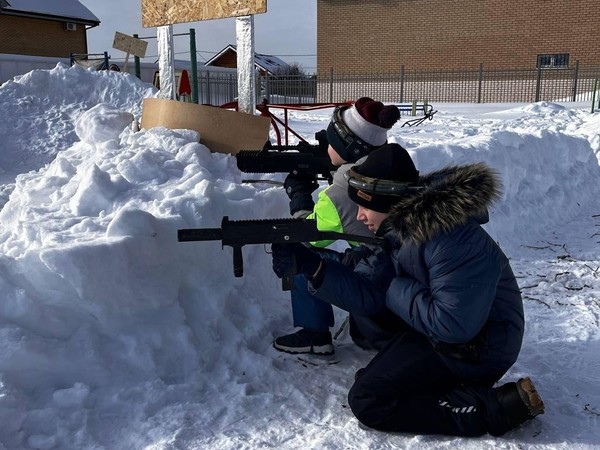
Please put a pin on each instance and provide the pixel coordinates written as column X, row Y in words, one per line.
column 301, row 159
column 237, row 233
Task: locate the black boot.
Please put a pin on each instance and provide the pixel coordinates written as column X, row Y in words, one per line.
column 305, row 341
column 520, row 402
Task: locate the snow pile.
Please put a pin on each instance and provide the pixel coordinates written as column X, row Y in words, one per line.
column 40, row 107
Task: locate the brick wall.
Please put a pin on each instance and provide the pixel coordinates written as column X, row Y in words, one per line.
column 382, row 35
column 28, row 36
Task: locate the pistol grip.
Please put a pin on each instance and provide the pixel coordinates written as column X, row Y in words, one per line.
column 238, row 262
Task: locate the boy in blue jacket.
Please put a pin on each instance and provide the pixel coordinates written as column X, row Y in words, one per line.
column 451, row 285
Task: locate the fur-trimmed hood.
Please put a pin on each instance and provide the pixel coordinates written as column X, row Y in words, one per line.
column 450, row 198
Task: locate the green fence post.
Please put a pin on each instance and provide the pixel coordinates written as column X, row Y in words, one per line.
column 194, row 63
column 136, row 60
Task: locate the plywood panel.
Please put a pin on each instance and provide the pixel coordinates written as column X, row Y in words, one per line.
column 221, row 130
column 157, row 13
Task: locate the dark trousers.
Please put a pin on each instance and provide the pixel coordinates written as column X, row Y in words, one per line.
column 408, row 387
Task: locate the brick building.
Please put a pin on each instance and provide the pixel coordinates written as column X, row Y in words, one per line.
column 44, row 28
column 370, row 36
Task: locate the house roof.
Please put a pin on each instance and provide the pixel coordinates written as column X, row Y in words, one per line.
column 68, row 9
column 269, row 63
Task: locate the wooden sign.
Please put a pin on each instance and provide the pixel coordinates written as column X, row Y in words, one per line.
column 129, row 44
column 156, row 13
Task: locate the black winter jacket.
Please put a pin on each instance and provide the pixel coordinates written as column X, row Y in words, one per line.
column 449, row 279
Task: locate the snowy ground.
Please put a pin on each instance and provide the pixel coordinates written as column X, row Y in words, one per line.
column 116, row 336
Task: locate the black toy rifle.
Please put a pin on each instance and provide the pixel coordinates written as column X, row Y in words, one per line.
column 237, row 233
column 302, row 159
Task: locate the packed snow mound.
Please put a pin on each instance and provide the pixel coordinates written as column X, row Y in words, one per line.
column 541, row 172
column 91, row 265
column 545, row 107
column 39, row 110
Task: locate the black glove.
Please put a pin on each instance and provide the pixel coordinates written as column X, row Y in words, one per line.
column 299, row 189
column 354, row 255
column 300, row 184
column 294, row 258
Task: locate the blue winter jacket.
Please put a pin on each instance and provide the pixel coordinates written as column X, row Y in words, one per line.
column 444, row 275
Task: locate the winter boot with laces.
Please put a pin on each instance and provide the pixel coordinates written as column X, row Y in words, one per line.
column 305, row 341
column 520, row 401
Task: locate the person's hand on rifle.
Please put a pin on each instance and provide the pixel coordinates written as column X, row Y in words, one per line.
column 296, row 258
column 299, row 189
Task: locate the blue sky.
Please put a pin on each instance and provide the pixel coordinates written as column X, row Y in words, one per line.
column 287, row 30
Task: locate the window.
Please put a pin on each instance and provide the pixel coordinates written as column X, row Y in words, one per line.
column 555, row 61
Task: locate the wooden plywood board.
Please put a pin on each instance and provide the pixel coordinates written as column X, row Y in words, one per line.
column 129, row 44
column 157, row 13
column 221, row 130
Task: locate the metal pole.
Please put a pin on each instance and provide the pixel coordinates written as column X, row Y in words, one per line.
column 594, row 86
column 331, row 85
column 136, row 61
column 208, row 100
column 402, row 83
column 267, row 88
column 194, row 62
column 575, row 77
column 538, row 86
column 480, row 82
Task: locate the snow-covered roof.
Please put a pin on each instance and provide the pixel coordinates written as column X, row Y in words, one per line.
column 71, row 9
column 269, row 63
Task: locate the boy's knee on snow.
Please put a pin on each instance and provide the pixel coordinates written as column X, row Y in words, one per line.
column 365, row 407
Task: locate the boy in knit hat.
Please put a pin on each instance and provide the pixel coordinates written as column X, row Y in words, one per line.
column 452, row 287
column 353, row 132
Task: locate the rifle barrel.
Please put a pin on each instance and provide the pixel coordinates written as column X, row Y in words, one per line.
column 199, row 234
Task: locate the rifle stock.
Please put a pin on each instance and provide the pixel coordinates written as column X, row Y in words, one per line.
column 237, row 233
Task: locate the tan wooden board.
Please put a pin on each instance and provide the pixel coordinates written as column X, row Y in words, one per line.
column 221, row 130
column 157, row 13
column 129, row 44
